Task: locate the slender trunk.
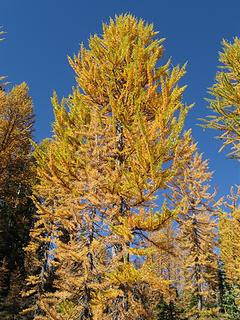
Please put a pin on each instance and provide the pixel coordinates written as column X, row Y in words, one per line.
column 221, row 286
column 198, row 286
column 122, row 210
column 197, row 270
column 87, row 312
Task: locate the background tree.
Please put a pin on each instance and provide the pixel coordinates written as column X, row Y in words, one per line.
column 229, row 228
column 117, row 141
column 197, row 282
column 226, row 105
column 226, row 97
column 16, row 208
column 169, row 266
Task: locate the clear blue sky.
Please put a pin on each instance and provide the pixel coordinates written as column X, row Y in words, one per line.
column 40, row 35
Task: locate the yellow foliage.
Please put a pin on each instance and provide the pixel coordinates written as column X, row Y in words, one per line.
column 117, row 141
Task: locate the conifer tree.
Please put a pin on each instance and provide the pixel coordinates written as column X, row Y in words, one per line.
column 117, row 141
column 169, row 266
column 226, row 102
column 229, row 233
column 198, row 277
column 229, row 228
column 16, row 207
column 226, row 106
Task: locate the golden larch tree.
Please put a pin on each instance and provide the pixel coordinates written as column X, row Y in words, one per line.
column 117, row 141
column 226, row 97
column 229, row 228
column 16, row 207
column 197, row 240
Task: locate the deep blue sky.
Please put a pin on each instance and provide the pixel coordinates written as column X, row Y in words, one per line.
column 40, row 35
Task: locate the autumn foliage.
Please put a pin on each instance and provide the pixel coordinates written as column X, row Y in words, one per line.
column 16, row 180
column 113, row 217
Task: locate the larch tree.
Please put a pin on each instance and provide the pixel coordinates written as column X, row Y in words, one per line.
column 16, row 207
column 117, row 141
column 226, row 98
column 169, row 266
column 226, row 107
column 197, row 284
column 229, row 234
column 229, row 228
